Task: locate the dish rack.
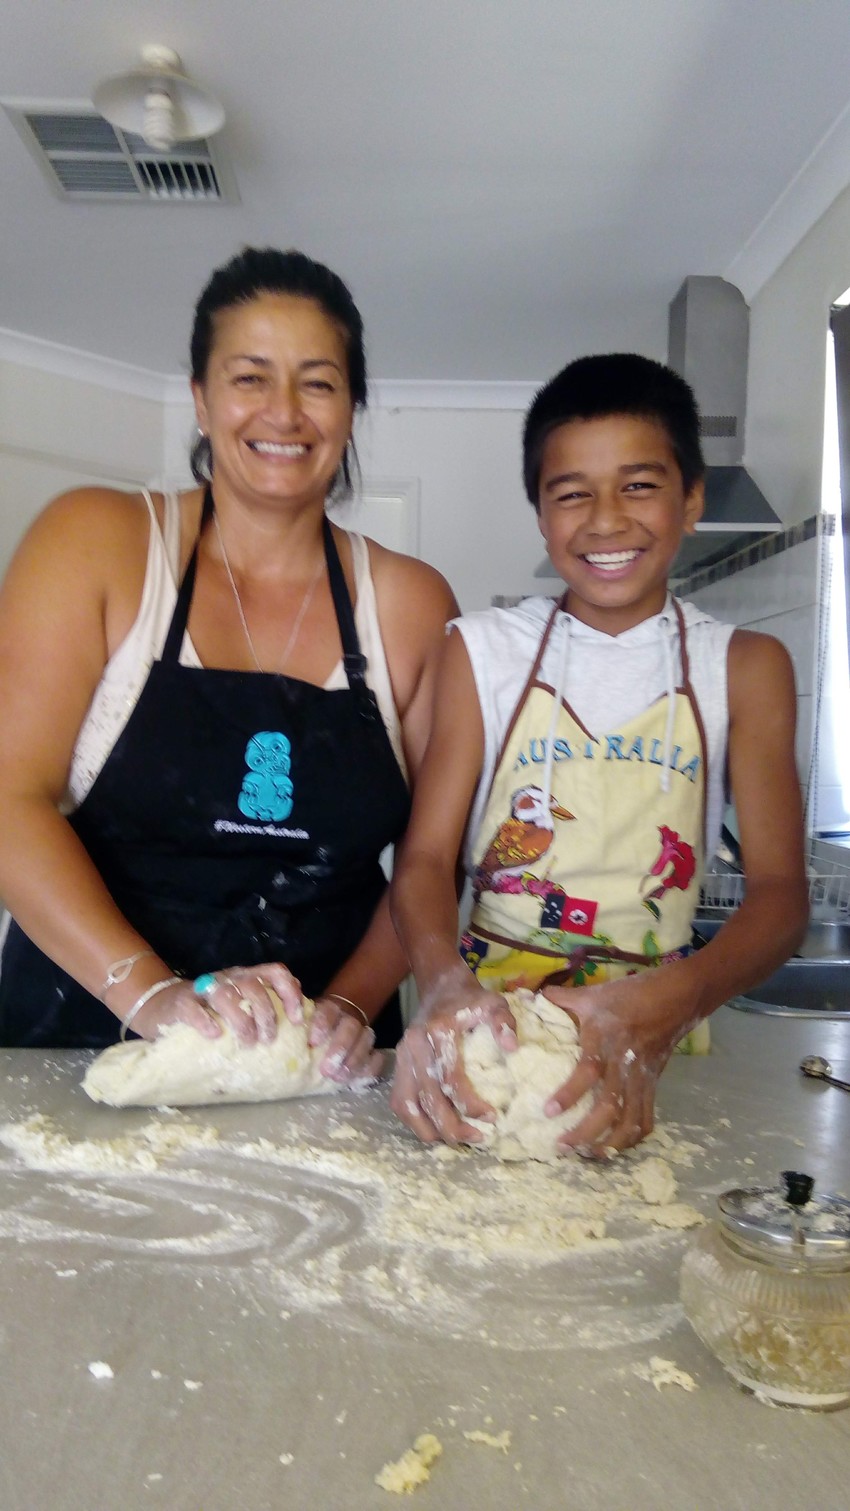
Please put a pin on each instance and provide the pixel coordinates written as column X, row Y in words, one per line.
column 829, row 891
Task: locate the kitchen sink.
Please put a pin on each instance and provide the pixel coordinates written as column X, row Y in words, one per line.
column 802, row 988
column 813, row 983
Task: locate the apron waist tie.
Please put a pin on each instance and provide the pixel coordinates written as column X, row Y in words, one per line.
column 583, row 954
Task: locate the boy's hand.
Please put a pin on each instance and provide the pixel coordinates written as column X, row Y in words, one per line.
column 431, row 1092
column 627, row 1030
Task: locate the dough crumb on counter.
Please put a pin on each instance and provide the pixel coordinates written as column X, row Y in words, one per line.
column 402, row 1476
column 101, row 1370
column 655, row 1181
column 286, row 1459
column 660, row 1372
column 491, row 1439
column 676, row 1215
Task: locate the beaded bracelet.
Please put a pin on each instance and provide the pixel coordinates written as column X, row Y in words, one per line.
column 335, row 997
column 120, row 970
column 158, row 986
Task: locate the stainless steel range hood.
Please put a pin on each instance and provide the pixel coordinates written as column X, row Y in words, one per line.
column 708, row 343
column 709, row 334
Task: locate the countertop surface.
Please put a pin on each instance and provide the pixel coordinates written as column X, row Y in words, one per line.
column 286, row 1295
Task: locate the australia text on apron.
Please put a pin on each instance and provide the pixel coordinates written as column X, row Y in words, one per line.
column 590, row 851
column 238, row 819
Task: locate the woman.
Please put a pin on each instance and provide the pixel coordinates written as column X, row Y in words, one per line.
column 203, row 747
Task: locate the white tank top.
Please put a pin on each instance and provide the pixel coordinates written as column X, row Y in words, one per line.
column 126, row 672
column 609, row 680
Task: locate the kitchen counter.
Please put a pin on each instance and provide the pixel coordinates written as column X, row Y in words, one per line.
column 287, row 1295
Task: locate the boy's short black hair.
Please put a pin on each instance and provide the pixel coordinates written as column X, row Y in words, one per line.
column 617, row 383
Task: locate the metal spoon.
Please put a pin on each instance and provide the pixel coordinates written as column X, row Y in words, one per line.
column 821, row 1070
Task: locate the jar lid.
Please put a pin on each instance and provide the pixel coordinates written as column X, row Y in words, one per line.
column 788, row 1221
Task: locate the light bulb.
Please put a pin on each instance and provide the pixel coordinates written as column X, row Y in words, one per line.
column 158, row 122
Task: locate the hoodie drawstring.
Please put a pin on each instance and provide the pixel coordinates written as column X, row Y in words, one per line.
column 560, row 684
column 668, row 630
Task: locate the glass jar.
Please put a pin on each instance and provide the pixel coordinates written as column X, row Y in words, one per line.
column 766, row 1286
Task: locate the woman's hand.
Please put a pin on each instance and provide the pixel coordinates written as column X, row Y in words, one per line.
column 627, row 1031
column 350, row 1054
column 431, row 1092
column 237, row 997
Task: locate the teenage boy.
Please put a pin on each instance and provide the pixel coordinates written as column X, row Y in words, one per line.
column 587, row 749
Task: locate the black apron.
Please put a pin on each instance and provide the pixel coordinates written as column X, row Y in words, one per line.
column 237, row 820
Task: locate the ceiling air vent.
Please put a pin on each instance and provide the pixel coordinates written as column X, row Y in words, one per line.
column 83, row 157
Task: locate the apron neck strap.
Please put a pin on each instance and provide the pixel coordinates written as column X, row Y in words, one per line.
column 180, row 617
column 353, row 659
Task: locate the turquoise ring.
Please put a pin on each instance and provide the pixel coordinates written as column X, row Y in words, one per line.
column 204, row 986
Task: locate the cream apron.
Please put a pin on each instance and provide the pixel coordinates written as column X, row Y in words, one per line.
column 590, row 851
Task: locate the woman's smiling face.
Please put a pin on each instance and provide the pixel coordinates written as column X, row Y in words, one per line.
column 275, row 399
column 612, row 511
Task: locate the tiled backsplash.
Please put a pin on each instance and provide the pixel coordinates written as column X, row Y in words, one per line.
column 774, row 586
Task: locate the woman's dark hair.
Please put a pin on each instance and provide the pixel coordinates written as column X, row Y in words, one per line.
column 266, row 270
column 592, row 388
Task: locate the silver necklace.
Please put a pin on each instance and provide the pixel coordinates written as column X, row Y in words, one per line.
column 299, row 618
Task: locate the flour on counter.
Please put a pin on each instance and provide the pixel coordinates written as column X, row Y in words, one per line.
column 413, row 1468
column 500, row 1440
column 367, row 1229
column 40, row 1144
column 660, row 1372
column 677, row 1216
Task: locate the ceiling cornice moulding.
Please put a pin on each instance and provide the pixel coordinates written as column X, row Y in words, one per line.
column 823, row 176
column 436, row 393
column 173, row 388
column 86, row 367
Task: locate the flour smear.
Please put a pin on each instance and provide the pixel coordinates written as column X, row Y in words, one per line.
column 341, row 1214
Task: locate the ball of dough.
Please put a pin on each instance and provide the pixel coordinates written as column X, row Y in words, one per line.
column 519, row 1084
column 181, row 1068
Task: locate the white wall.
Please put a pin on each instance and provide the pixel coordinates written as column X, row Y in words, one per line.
column 785, row 398
column 476, row 525
column 58, row 432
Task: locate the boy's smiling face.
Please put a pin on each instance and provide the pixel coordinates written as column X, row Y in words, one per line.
column 612, row 511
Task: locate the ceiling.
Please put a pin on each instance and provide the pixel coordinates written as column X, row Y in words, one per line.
column 503, row 183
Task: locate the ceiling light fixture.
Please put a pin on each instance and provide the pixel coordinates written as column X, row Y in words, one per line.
column 159, row 102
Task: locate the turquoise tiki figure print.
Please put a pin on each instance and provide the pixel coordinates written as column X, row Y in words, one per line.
column 266, row 787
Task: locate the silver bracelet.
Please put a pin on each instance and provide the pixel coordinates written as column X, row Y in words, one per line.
column 335, row 997
column 120, row 970
column 158, row 986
